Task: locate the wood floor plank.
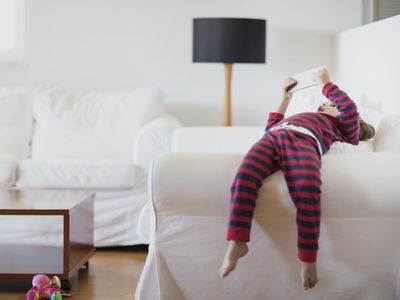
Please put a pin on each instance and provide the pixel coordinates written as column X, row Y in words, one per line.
column 113, row 274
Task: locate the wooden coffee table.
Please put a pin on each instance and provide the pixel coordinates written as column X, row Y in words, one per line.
column 75, row 208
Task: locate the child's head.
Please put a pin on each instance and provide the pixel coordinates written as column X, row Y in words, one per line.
column 367, row 131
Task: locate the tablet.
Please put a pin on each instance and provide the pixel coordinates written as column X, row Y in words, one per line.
column 304, row 80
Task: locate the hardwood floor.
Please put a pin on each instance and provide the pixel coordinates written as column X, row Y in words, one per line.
column 113, row 274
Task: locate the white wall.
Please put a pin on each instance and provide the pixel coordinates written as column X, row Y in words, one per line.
column 119, row 44
column 377, row 80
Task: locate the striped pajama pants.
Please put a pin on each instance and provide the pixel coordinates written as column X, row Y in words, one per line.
column 297, row 155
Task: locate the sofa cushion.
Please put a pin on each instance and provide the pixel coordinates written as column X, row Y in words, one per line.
column 372, row 116
column 342, row 148
column 81, row 125
column 8, row 168
column 387, row 137
column 16, row 121
column 71, row 174
column 215, row 139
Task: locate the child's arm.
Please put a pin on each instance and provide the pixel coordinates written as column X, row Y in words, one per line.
column 278, row 115
column 348, row 118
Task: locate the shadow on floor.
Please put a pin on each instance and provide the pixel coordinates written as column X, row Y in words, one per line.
column 135, row 248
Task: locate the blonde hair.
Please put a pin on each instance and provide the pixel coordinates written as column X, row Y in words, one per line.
column 367, row 131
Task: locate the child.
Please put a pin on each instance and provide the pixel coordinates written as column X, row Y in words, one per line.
column 293, row 145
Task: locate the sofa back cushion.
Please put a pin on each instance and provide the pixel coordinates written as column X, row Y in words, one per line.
column 387, row 129
column 372, row 116
column 89, row 125
column 387, row 138
column 215, row 139
column 16, row 121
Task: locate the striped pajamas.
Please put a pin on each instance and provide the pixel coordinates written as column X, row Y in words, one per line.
column 296, row 155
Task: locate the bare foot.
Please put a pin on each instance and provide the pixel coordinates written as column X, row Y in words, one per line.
column 235, row 251
column 309, row 275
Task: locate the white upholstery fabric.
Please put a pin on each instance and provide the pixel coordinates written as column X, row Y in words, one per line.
column 116, row 216
column 388, row 136
column 154, row 138
column 76, row 174
column 215, row 139
column 8, row 169
column 190, row 194
column 372, row 116
column 356, row 199
column 78, row 125
column 342, row 148
column 16, row 121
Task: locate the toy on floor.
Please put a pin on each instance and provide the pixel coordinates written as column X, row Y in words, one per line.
column 44, row 288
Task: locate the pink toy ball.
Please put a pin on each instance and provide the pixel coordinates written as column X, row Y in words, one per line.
column 41, row 281
column 32, row 294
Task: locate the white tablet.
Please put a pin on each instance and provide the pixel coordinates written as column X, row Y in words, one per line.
column 304, row 80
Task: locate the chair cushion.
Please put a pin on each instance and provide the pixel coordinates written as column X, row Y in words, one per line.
column 89, row 125
column 16, row 121
column 8, row 168
column 75, row 174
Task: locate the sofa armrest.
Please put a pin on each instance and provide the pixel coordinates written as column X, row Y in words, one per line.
column 153, row 138
column 198, row 184
column 215, row 139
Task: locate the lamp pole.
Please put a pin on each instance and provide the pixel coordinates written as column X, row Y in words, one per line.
column 227, row 109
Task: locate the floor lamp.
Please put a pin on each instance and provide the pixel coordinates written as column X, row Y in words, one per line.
column 229, row 41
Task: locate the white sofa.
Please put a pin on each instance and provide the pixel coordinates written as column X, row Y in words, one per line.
column 359, row 255
column 52, row 138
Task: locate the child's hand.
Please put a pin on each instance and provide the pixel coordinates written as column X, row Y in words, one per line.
column 288, row 83
column 322, row 76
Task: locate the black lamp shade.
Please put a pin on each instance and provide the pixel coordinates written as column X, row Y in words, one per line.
column 229, row 40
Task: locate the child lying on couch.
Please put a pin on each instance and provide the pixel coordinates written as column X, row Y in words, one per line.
column 295, row 146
